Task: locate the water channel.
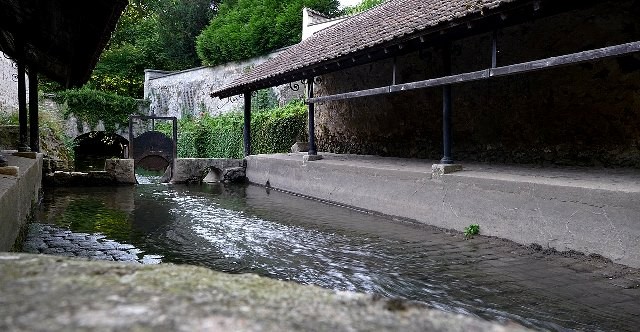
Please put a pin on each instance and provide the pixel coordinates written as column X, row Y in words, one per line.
column 248, row 228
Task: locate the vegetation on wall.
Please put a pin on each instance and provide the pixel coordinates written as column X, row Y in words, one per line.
column 53, row 140
column 272, row 131
column 246, row 28
column 158, row 34
column 91, row 106
column 151, row 34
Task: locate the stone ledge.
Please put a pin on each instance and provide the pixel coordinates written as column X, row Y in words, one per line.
column 9, row 170
column 30, row 155
column 311, row 157
column 41, row 292
column 442, row 169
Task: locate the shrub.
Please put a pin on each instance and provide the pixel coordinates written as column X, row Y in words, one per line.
column 91, row 106
column 221, row 136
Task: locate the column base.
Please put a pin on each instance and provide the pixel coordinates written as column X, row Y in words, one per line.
column 442, row 169
column 311, row 157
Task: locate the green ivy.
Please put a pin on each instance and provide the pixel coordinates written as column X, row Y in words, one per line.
column 273, row 131
column 91, row 106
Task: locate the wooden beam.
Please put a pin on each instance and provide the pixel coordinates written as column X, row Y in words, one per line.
column 520, row 68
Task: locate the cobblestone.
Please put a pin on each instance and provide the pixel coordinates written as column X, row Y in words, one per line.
column 52, row 240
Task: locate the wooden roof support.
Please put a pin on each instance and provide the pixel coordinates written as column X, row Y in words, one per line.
column 520, row 68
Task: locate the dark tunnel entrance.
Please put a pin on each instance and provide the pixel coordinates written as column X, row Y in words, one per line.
column 93, row 148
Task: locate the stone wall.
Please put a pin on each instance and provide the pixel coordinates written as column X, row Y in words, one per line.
column 587, row 114
column 9, row 84
column 188, row 92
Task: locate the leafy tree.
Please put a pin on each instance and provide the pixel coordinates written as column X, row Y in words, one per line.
column 134, row 46
column 158, row 34
column 248, row 28
column 179, row 23
column 362, row 6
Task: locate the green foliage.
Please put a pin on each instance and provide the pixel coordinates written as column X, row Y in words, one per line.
column 265, row 99
column 158, row 34
column 179, row 23
column 362, row 6
column 92, row 106
column 9, row 118
column 273, row 131
column 134, row 46
column 471, row 230
column 247, row 28
column 53, row 140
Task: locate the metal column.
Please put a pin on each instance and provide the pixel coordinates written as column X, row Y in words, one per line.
column 247, row 124
column 312, row 126
column 22, row 108
column 34, row 131
column 446, row 109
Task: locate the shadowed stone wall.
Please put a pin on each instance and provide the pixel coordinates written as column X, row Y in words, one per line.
column 586, row 114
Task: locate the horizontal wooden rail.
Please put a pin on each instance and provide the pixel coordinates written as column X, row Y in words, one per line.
column 520, row 68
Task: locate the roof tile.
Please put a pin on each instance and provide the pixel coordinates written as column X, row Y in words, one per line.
column 384, row 23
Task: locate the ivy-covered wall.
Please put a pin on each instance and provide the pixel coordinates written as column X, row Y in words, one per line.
column 587, row 114
column 272, row 130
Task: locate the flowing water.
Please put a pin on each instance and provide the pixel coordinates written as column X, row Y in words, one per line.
column 248, row 228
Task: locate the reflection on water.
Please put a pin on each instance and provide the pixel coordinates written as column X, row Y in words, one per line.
column 241, row 229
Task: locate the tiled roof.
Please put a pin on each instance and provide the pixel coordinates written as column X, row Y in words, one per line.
column 385, row 23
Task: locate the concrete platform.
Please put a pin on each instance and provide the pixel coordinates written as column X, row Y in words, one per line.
column 17, row 194
column 595, row 211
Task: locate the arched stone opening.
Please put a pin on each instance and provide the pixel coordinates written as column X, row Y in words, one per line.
column 91, row 149
column 154, row 163
column 213, row 175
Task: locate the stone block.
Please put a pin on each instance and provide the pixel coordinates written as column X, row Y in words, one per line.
column 30, row 155
column 300, row 147
column 234, row 174
column 311, row 157
column 123, row 170
column 9, row 170
column 442, row 169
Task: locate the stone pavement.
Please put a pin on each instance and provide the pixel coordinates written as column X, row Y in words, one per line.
column 48, row 239
column 47, row 293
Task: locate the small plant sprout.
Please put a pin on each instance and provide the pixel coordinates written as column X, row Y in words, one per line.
column 471, row 230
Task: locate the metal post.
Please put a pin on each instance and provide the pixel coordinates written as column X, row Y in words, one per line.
column 446, row 109
column 175, row 144
column 246, row 131
column 22, row 108
column 494, row 49
column 34, row 131
column 312, row 126
column 394, row 71
column 130, row 154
